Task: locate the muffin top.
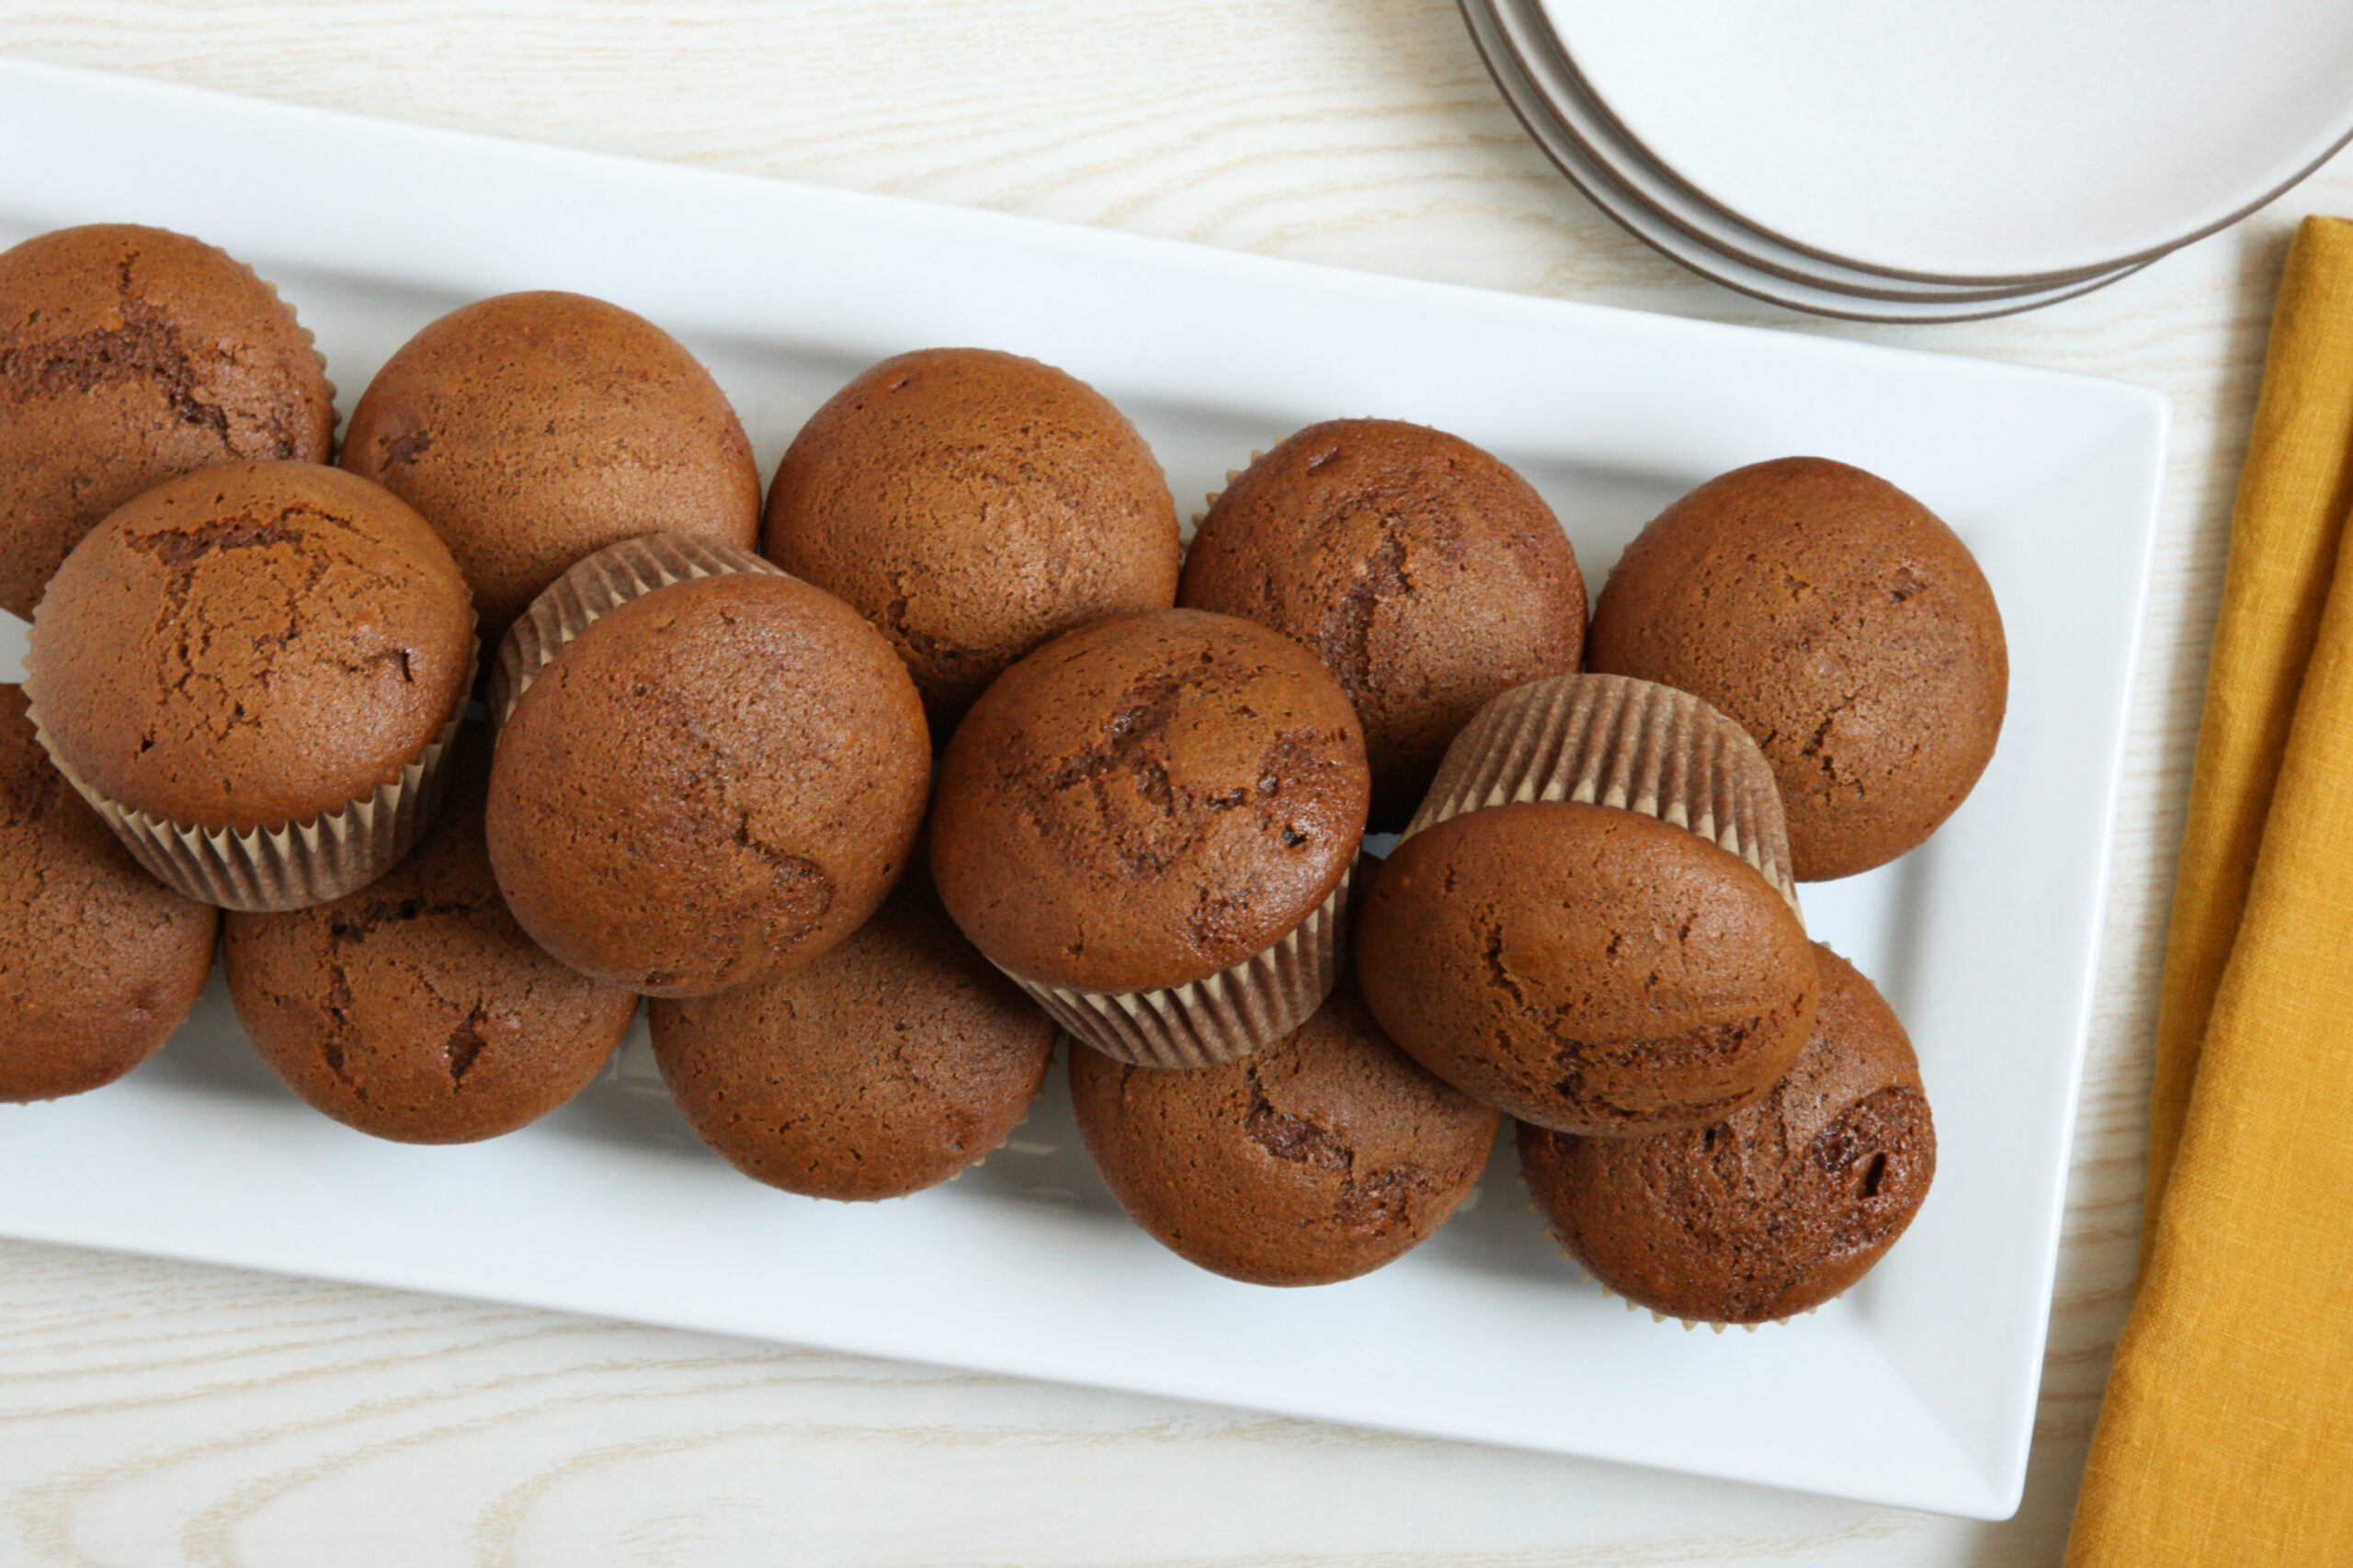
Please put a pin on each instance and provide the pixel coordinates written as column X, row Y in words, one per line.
column 128, row 354
column 1772, row 1211
column 1844, row 625
column 532, row 429
column 1319, row 1158
column 250, row 645
column 1587, row 969
column 98, row 961
column 1426, row 573
column 972, row 504
column 709, row 785
column 1147, row 801
column 416, row 1008
column 886, row 1066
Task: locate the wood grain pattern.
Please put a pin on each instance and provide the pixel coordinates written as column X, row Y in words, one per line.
column 158, row 1413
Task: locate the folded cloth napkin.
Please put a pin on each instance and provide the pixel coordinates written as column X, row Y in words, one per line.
column 2227, row 1432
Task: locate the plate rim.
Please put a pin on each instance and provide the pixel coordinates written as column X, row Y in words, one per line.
column 2337, row 142
column 1853, row 308
column 1616, row 160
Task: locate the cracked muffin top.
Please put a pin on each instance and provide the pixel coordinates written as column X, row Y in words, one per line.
column 98, row 961
column 888, row 1065
column 1147, row 801
column 128, row 354
column 251, row 644
column 417, row 1009
column 1320, row 1157
column 709, row 785
column 533, row 429
column 1843, row 625
column 1428, row 576
column 1586, row 969
column 1774, row 1209
column 972, row 504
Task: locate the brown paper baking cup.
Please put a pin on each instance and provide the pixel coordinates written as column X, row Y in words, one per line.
column 295, row 865
column 596, row 586
column 1225, row 1016
column 1615, row 741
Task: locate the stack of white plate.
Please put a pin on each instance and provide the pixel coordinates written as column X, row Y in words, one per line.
column 1923, row 162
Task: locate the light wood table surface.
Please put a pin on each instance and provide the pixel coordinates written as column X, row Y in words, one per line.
column 156, row 1413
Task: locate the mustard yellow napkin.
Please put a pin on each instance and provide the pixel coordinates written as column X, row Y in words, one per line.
column 2227, row 1433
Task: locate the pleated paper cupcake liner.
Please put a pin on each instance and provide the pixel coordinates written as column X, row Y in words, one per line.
column 1222, row 1018
column 596, row 586
column 296, row 864
column 1615, row 741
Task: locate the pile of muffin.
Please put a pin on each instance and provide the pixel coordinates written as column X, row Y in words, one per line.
column 706, row 777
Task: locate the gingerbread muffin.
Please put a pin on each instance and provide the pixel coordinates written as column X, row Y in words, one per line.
column 1147, row 803
column 886, row 1066
column 708, row 786
column 247, row 650
column 1774, row 1209
column 128, row 354
column 1424, row 573
column 415, row 1010
column 533, row 429
column 1847, row 626
column 972, row 504
column 1322, row 1157
column 1587, row 969
column 98, row 963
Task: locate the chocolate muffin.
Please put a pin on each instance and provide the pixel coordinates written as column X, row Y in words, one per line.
column 1772, row 1211
column 1844, row 625
column 886, row 1066
column 1587, row 969
column 98, row 963
column 533, row 429
column 972, row 504
column 1148, row 801
column 1427, row 575
column 415, row 1010
column 1322, row 1157
column 708, row 786
column 128, row 354
column 248, row 647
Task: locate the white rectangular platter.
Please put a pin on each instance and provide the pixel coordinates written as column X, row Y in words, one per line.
column 1917, row 1388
